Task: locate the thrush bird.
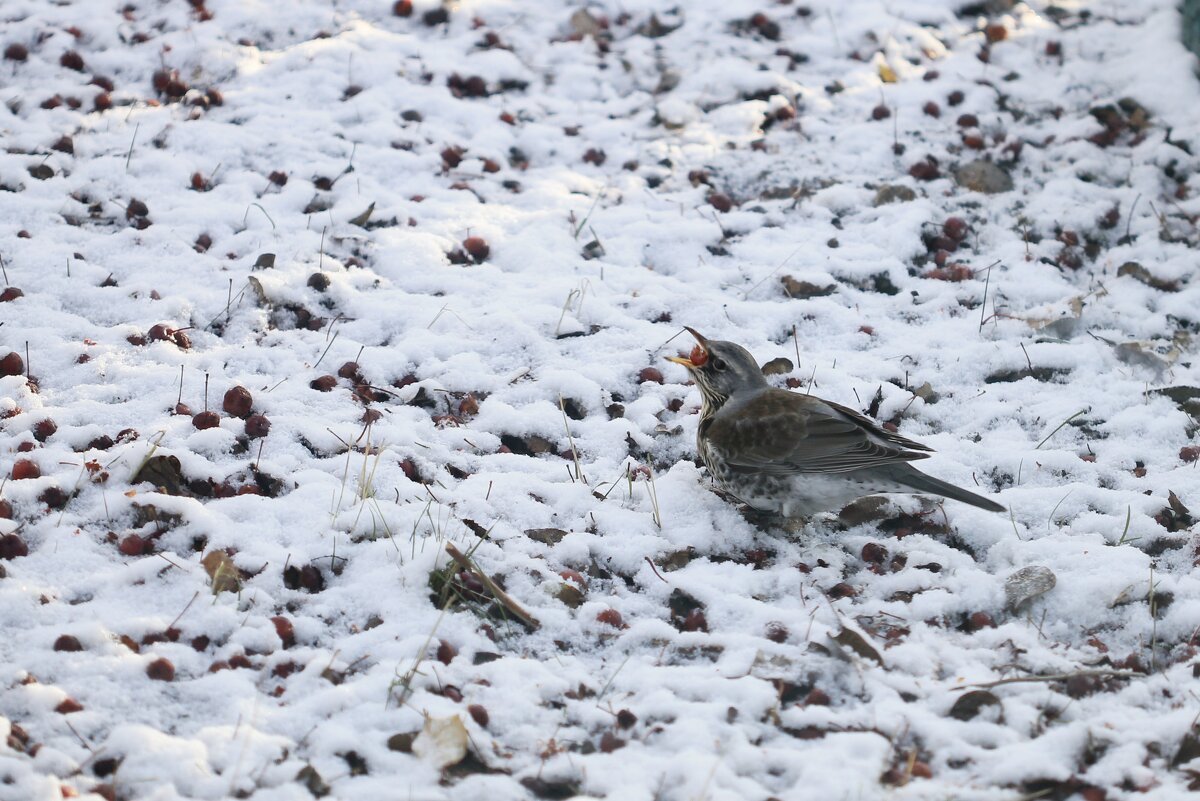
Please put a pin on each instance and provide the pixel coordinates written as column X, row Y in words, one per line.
column 796, row 455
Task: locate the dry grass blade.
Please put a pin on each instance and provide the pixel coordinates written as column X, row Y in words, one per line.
column 500, row 595
column 1060, row 425
column 404, row 682
column 574, row 452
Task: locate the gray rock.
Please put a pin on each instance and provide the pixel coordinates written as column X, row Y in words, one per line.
column 983, row 176
column 1026, row 584
column 893, row 193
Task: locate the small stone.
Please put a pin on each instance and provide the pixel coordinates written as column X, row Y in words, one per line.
column 402, row 742
column 983, row 176
column 893, row 193
column 802, row 290
column 546, row 536
column 1026, row 584
column 779, row 366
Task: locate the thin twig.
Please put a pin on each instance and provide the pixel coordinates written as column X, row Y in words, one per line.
column 650, row 562
column 1117, row 674
column 237, row 298
column 327, row 347
column 983, row 304
column 405, row 681
column 613, row 677
column 129, row 155
column 500, row 595
column 185, row 608
column 746, row 294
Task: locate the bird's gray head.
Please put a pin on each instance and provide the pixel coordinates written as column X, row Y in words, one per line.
column 720, row 369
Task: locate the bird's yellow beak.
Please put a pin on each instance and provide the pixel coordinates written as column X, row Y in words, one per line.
column 699, row 354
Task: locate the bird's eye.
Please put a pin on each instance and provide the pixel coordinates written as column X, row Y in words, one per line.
column 719, row 364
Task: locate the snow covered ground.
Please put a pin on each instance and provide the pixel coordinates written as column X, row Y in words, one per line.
column 485, row 224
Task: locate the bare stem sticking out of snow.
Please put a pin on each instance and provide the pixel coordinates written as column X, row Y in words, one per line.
column 500, row 595
column 246, row 216
column 129, row 155
column 574, row 453
column 405, row 681
column 1098, row 673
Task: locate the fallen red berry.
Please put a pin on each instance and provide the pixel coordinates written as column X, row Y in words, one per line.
column 477, row 246
column 12, row 364
column 25, row 469
column 132, row 545
column 238, row 402
column 611, row 617
column 206, row 420
column 285, row 630
column 161, row 670
column 257, row 425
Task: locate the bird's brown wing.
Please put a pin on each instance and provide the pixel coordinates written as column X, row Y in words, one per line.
column 876, row 429
column 781, row 432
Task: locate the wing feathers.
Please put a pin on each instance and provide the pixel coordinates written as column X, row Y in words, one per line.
column 782, row 433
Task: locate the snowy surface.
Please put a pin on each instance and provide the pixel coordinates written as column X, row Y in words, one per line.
column 632, row 167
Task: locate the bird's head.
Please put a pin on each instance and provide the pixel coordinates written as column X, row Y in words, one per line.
column 721, row 369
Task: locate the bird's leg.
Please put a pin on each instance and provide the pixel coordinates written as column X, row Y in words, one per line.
column 760, row 519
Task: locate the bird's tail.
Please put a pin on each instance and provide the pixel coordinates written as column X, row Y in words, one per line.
column 921, row 482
